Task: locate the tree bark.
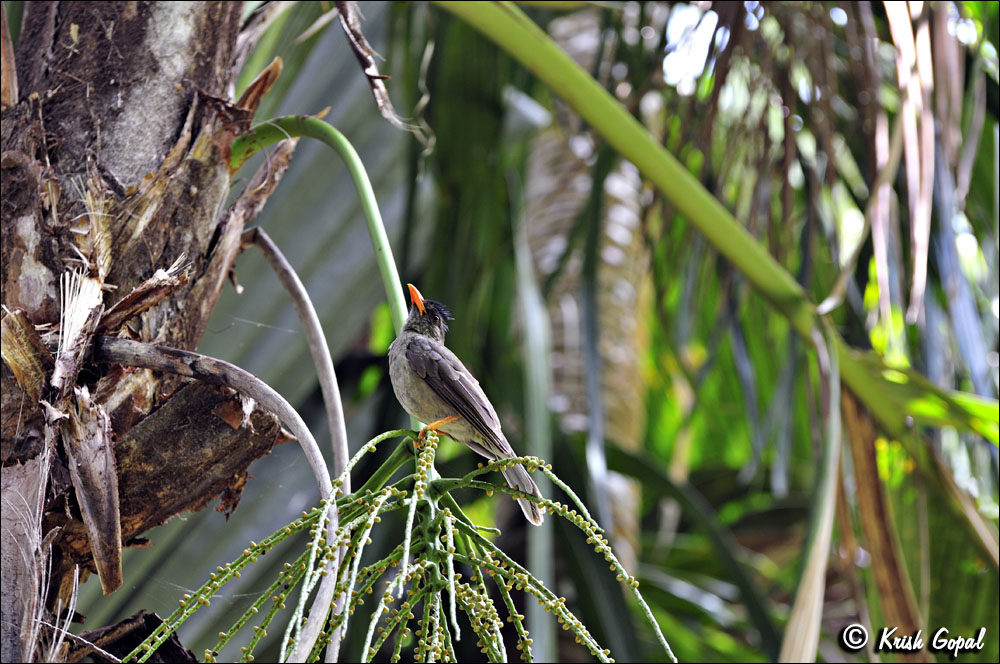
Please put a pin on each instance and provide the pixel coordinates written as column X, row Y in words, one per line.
column 115, row 148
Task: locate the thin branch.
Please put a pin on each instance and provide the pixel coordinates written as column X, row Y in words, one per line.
column 317, row 345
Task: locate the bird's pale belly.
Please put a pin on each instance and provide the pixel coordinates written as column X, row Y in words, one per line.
column 420, row 401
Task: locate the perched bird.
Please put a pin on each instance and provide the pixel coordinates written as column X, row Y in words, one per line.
column 434, row 386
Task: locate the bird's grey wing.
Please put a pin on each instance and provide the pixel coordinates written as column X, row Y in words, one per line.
column 449, row 379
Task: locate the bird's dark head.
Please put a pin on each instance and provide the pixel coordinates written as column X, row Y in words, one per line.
column 426, row 316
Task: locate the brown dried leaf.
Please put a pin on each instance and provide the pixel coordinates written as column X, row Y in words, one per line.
column 252, row 96
column 143, row 297
column 87, row 439
column 229, row 412
column 25, row 353
column 365, row 55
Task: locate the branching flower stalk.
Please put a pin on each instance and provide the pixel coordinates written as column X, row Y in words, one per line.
column 438, row 536
column 433, row 572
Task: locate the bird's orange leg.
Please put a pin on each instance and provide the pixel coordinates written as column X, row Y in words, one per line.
column 434, row 426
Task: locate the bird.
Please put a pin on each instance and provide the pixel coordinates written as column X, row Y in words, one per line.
column 433, row 386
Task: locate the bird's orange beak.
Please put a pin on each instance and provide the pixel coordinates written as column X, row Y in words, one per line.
column 416, row 298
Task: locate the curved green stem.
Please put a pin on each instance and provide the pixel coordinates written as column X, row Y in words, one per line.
column 272, row 131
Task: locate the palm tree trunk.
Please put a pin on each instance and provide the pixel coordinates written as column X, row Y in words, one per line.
column 115, row 147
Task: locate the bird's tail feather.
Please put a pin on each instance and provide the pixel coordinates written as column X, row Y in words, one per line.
column 518, row 478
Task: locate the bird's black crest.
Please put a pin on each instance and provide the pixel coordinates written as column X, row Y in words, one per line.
column 439, row 311
column 432, row 322
column 435, row 308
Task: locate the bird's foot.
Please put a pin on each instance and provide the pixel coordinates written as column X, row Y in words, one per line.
column 434, row 426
